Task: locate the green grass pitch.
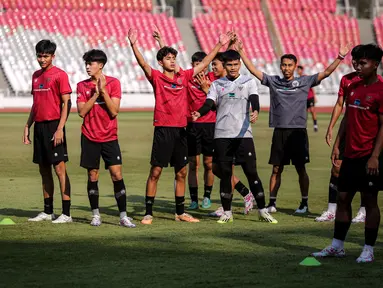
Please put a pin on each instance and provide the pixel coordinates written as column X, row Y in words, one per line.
column 246, row 253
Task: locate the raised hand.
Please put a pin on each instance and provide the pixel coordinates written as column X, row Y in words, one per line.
column 156, row 33
column 225, row 38
column 343, row 51
column 132, row 36
column 203, row 81
column 101, row 83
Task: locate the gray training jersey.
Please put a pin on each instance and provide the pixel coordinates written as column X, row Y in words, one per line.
column 288, row 100
column 232, row 102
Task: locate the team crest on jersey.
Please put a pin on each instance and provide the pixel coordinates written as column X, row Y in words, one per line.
column 368, row 98
column 240, row 87
column 48, row 79
column 295, row 83
column 179, row 81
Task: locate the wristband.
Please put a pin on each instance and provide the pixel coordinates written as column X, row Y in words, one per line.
column 341, row 57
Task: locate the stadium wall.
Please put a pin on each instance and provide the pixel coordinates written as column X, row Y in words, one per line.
column 144, row 102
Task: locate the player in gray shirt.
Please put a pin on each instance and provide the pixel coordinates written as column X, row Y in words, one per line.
column 233, row 139
column 288, row 117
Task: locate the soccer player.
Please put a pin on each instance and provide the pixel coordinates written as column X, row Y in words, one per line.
column 170, row 120
column 288, row 117
column 311, row 100
column 200, row 135
column 362, row 126
column 50, row 110
column 346, row 81
column 232, row 96
column 98, row 103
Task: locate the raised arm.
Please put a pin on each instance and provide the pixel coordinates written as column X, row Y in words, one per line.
column 249, row 65
column 342, row 54
column 132, row 35
column 157, row 35
column 223, row 39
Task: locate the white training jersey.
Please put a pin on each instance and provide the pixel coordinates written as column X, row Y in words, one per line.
column 233, row 103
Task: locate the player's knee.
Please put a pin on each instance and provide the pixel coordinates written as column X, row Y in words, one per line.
column 193, row 165
column 181, row 175
column 370, row 200
column 93, row 175
column 343, row 200
column 208, row 163
column 60, row 169
column 45, row 170
column 226, row 170
column 155, row 174
column 116, row 175
column 277, row 170
column 301, row 170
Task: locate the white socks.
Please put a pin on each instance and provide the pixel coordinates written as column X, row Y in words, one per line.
column 337, row 244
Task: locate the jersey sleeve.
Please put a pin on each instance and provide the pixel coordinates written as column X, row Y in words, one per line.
column 253, row 87
column 212, row 94
column 342, row 87
column 312, row 80
column 154, row 75
column 64, row 84
column 266, row 80
column 188, row 74
column 80, row 94
column 115, row 91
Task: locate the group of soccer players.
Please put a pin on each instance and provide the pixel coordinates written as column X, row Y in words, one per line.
column 209, row 113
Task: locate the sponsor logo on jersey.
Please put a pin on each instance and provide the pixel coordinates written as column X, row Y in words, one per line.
column 179, row 81
column 41, row 86
column 174, row 86
column 357, row 102
column 231, row 94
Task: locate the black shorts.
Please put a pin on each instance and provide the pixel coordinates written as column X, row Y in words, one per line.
column 342, row 147
column 235, row 150
column 353, row 176
column 44, row 151
column 169, row 146
column 310, row 103
column 92, row 151
column 289, row 144
column 200, row 139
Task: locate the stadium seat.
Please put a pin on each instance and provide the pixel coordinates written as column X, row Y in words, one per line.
column 76, row 31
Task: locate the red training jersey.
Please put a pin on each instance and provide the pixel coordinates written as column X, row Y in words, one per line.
column 311, row 94
column 98, row 126
column 47, row 88
column 364, row 104
column 347, row 80
column 171, row 105
column 196, row 99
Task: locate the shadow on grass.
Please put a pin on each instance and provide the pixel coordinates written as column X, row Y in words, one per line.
column 179, row 260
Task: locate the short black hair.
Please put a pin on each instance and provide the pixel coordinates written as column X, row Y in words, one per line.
column 355, row 51
column 46, row 47
column 161, row 54
column 95, row 55
column 300, row 67
column 198, row 56
column 231, row 55
column 371, row 52
column 219, row 56
column 289, row 56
